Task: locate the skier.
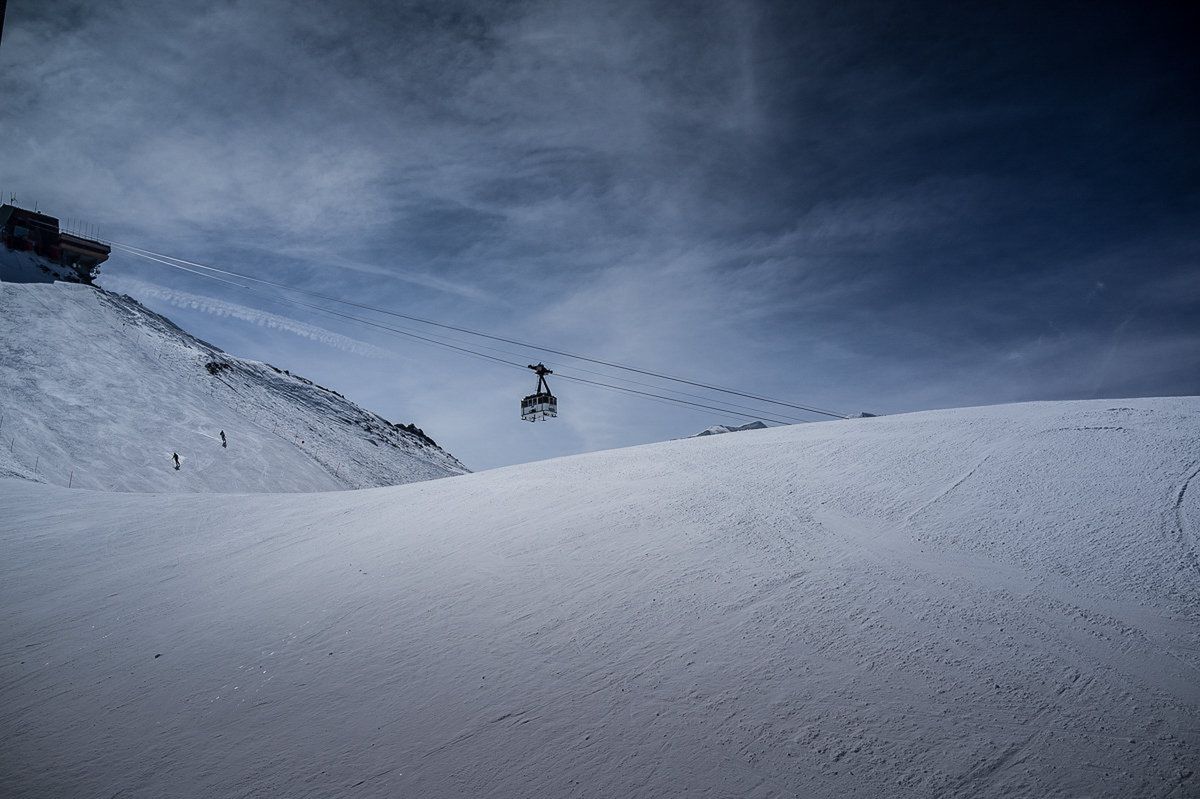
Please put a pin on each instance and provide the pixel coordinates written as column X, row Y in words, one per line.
column 175, row 457
column 224, row 443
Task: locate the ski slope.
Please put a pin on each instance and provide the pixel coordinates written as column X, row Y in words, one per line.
column 988, row 602
column 99, row 392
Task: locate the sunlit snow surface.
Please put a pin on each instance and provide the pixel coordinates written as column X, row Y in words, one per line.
column 99, row 392
column 982, row 602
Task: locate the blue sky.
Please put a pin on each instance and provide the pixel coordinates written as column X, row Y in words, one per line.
column 863, row 206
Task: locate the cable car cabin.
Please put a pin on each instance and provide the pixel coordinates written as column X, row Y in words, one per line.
column 541, row 404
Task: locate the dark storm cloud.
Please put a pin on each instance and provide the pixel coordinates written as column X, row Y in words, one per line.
column 866, row 205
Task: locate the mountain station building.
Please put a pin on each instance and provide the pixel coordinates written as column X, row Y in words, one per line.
column 31, row 231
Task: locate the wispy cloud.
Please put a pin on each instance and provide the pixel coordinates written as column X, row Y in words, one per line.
column 230, row 310
column 391, row 266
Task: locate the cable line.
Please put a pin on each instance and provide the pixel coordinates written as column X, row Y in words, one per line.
column 149, row 254
column 410, row 334
column 757, row 412
column 672, row 399
column 344, row 316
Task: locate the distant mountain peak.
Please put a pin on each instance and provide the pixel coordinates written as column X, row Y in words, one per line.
column 723, row 428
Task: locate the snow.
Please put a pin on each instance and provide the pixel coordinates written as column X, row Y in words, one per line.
column 18, row 266
column 99, row 392
column 981, row 602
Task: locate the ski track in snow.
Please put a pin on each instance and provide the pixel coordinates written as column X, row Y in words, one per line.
column 988, row 602
column 1183, row 524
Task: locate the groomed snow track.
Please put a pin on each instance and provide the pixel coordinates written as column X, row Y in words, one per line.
column 983, row 602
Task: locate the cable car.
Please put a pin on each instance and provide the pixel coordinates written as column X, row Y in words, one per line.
column 541, row 404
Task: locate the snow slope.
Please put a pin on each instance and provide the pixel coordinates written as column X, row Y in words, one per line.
column 18, row 266
column 98, row 392
column 982, row 602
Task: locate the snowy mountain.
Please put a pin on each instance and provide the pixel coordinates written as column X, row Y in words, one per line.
column 717, row 429
column 988, row 602
column 99, row 392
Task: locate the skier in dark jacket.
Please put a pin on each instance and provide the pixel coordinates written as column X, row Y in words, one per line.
column 224, row 444
column 175, row 457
